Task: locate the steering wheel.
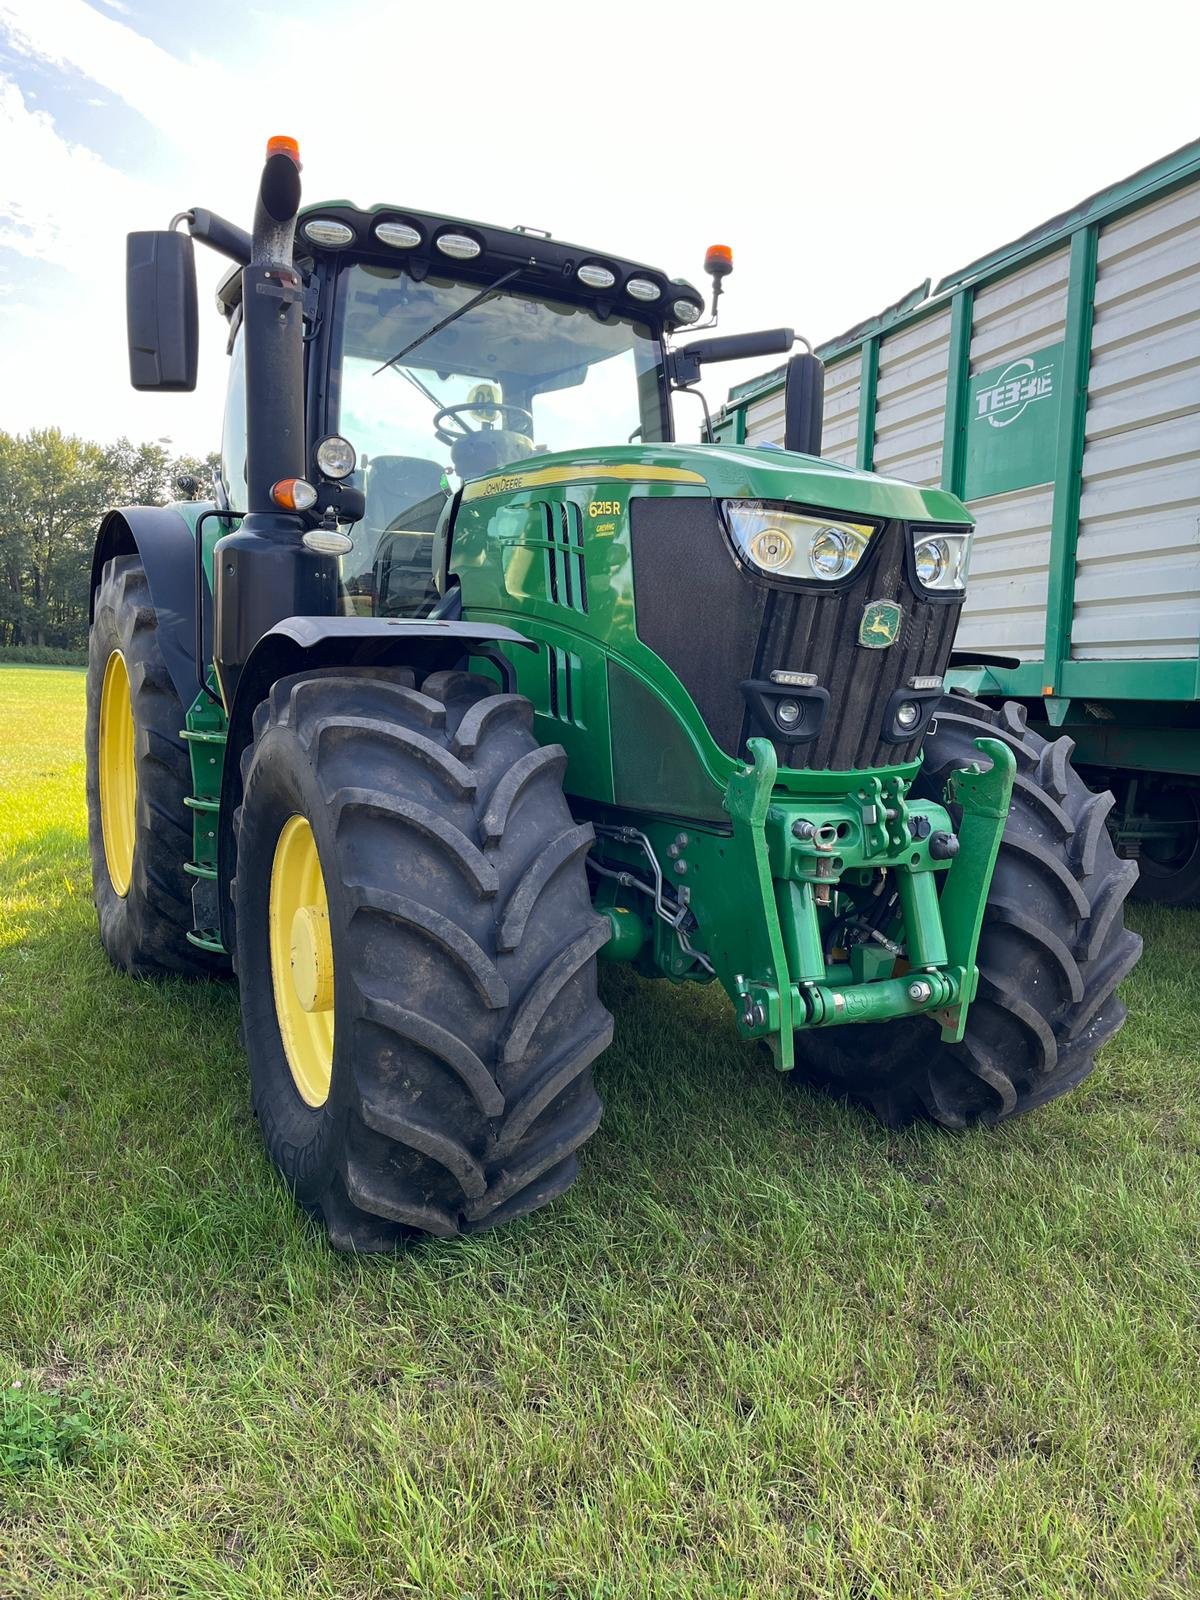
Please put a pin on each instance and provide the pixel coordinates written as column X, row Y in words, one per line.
column 461, row 430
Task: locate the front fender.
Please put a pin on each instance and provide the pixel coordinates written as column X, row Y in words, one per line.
column 310, row 644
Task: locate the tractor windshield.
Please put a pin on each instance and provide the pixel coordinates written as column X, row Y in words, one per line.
column 513, row 376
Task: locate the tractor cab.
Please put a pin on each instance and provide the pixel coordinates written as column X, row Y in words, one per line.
column 444, row 351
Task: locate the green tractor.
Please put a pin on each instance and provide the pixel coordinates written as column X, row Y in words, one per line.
column 470, row 676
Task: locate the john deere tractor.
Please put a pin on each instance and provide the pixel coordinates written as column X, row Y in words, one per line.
column 470, row 676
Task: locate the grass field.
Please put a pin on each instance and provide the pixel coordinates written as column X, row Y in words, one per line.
column 764, row 1348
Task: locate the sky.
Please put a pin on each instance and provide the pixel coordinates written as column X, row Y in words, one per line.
column 846, row 151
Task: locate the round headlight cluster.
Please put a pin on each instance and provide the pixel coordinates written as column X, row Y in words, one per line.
column 771, row 548
column 933, row 561
column 336, row 457
column 941, row 559
column 686, row 311
column 830, row 554
column 796, row 545
column 643, row 289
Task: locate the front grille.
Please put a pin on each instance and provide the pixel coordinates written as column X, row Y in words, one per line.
column 716, row 626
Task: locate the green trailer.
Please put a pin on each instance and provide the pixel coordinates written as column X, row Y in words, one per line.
column 1055, row 386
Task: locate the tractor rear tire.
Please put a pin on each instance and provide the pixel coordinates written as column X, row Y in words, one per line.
column 461, row 997
column 143, row 896
column 1052, row 951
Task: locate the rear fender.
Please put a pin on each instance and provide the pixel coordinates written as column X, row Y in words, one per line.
column 165, row 540
column 311, row 644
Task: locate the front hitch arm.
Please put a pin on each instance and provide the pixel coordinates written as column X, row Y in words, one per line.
column 985, row 794
column 764, row 1007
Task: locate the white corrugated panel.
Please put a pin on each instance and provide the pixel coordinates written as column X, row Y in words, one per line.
column 1010, row 560
column 910, row 400
column 1024, row 312
column 1137, row 586
column 839, row 439
column 764, row 419
column 1006, row 593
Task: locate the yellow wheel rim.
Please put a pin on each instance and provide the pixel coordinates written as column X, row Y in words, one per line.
column 302, row 960
column 118, row 774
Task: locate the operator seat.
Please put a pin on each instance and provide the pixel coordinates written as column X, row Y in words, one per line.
column 397, row 483
column 488, row 450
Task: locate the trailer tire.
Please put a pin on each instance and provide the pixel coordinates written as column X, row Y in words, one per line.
column 143, row 901
column 1052, row 951
column 461, row 989
column 1174, row 881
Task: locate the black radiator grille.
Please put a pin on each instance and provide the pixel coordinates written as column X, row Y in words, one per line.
column 716, row 626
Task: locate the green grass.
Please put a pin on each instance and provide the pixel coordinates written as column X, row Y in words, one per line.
column 764, row 1347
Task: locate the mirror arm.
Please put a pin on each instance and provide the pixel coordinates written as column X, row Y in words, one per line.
column 224, row 237
column 683, row 366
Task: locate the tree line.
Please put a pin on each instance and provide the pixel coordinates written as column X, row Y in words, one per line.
column 54, row 489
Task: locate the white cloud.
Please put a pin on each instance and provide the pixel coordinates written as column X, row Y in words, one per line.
column 56, row 196
column 70, row 34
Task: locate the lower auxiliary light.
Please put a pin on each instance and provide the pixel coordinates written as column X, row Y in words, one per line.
column 794, row 680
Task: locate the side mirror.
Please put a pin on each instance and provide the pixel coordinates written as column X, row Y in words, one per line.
column 161, row 311
column 803, row 404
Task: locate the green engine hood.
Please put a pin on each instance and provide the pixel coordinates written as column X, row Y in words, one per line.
column 734, row 472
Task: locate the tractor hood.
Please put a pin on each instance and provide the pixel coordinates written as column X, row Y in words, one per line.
column 733, row 472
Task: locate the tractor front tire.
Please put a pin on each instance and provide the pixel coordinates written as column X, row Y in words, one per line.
column 1052, row 951
column 138, row 777
column 416, row 948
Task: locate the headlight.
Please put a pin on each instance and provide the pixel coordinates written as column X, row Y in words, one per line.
column 941, row 559
column 336, row 457
column 789, row 545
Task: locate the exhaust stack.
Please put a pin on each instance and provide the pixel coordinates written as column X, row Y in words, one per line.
column 273, row 320
column 263, row 572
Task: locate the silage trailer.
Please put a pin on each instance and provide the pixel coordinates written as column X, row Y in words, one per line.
column 1054, row 385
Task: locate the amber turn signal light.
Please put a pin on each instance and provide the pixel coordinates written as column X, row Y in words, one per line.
column 294, row 494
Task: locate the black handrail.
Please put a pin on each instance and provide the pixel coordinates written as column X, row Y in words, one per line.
column 201, row 675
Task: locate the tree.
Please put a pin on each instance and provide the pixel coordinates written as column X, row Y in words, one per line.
column 138, row 473
column 53, row 490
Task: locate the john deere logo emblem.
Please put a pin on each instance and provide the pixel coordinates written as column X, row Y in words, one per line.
column 880, row 625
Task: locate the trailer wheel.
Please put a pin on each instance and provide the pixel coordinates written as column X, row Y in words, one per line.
column 1052, row 951
column 416, row 950
column 1170, row 872
column 138, row 775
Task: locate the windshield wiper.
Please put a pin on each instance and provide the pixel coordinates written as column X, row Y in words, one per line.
column 421, row 388
column 446, row 321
